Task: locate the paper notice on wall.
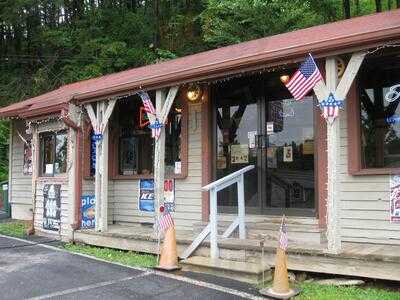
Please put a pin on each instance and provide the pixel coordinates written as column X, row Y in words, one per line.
column 221, row 162
column 272, row 161
column 240, row 154
column 288, row 154
column 178, row 167
column 308, row 147
column 252, row 139
column 395, row 198
column 49, row 168
column 270, row 128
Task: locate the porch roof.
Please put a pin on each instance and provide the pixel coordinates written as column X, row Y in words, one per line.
column 338, row 37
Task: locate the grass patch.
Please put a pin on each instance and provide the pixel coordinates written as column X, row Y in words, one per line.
column 128, row 258
column 313, row 291
column 16, row 229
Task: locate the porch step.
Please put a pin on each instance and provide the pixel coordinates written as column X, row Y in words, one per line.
column 269, row 230
column 241, row 271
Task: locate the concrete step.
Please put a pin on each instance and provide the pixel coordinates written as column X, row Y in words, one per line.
column 241, row 271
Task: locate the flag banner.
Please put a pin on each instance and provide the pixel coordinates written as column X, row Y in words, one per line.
column 155, row 125
column 165, row 221
column 88, row 210
column 304, row 79
column 283, row 235
column 330, row 107
column 395, row 198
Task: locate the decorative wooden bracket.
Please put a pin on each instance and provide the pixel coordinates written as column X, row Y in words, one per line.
column 321, row 90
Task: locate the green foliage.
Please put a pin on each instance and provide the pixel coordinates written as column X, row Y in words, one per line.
column 47, row 43
column 313, row 291
column 128, row 258
column 16, row 229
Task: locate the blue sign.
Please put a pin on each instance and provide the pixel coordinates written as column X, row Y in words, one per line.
column 156, row 125
column 92, row 155
column 393, row 120
column 88, row 209
column 146, row 195
column 97, row 137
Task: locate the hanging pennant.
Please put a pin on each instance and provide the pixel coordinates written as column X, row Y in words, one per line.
column 330, row 107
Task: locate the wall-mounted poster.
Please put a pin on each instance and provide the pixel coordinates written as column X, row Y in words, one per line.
column 27, row 168
column 88, row 210
column 395, row 199
column 52, row 206
column 240, row 154
column 146, row 195
column 288, row 154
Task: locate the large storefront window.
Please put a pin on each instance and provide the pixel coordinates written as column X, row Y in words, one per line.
column 379, row 99
column 134, row 144
column 53, row 148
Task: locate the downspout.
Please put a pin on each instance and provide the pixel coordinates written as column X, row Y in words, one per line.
column 78, row 167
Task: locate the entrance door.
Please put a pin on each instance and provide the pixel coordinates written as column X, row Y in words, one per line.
column 236, row 118
column 259, row 124
column 289, row 166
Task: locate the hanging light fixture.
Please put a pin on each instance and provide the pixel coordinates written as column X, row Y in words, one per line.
column 284, row 78
column 194, row 93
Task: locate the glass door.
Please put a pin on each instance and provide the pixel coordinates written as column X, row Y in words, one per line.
column 237, row 124
column 289, row 157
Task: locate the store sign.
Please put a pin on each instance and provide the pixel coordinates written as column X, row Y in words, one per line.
column 146, row 195
column 88, row 209
column 52, row 206
column 393, row 94
column 395, row 198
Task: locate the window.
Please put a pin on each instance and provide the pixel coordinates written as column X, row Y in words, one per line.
column 53, row 148
column 374, row 137
column 133, row 144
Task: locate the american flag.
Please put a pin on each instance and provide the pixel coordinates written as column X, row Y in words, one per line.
column 148, row 105
column 305, row 78
column 165, row 221
column 151, row 114
column 283, row 237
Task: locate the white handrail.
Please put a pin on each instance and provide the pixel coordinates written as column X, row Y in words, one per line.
column 227, row 178
column 212, row 228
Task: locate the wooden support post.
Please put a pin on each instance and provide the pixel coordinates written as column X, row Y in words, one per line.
column 159, row 157
column 214, row 252
column 333, row 146
column 99, row 122
column 340, row 91
column 241, row 208
column 71, row 178
column 104, row 181
column 163, row 106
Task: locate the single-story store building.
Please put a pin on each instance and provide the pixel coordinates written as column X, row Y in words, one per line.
column 227, row 111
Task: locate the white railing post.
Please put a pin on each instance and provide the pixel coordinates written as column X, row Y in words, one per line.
column 241, row 208
column 214, row 252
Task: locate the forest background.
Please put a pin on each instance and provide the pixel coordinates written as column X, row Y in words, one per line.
column 47, row 43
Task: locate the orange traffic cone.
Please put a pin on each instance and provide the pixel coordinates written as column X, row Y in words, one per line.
column 280, row 287
column 169, row 253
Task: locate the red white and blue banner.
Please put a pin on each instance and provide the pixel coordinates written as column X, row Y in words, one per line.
column 146, row 195
column 155, row 125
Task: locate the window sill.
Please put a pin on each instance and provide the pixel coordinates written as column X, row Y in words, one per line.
column 375, row 171
column 135, row 177
column 53, row 178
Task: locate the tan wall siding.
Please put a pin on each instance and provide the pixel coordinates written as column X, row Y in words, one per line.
column 124, row 204
column 364, row 203
column 21, row 185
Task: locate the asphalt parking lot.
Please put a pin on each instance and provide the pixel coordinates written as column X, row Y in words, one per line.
column 36, row 271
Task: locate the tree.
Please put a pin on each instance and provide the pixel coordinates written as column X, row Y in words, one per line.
column 346, row 9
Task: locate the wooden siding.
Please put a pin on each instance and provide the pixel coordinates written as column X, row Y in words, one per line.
column 21, row 185
column 123, row 196
column 364, row 202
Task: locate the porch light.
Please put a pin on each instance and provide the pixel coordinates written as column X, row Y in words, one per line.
column 194, row 93
column 284, row 78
